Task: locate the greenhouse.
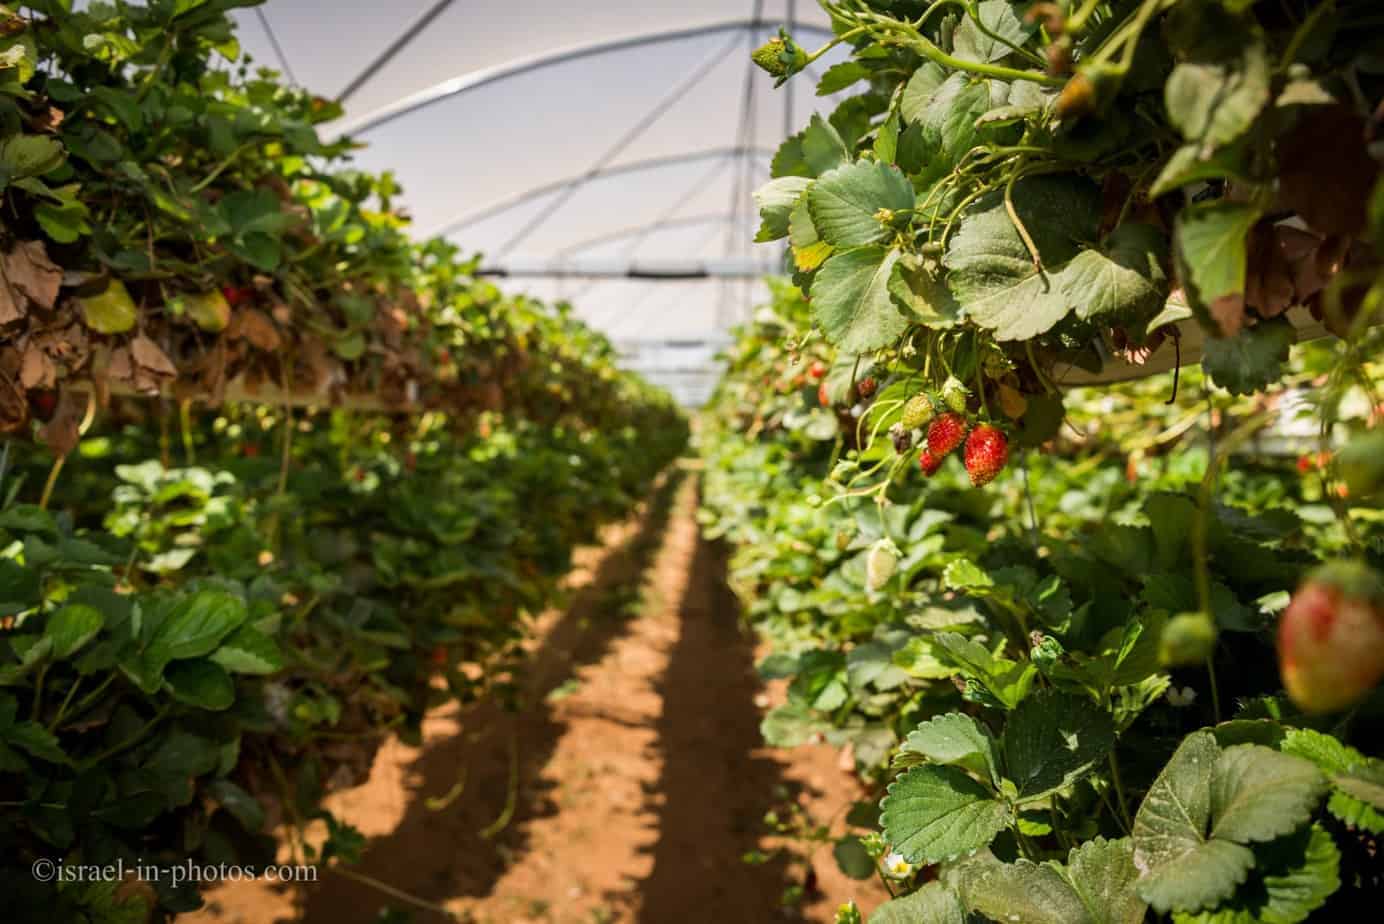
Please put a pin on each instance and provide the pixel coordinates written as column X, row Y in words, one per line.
column 849, row 462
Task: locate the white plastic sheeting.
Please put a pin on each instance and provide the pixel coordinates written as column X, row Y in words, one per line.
column 583, row 132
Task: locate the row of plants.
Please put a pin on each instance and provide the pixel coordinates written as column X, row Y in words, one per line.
column 175, row 225
column 276, row 480
column 197, row 650
column 1026, row 672
column 1120, row 661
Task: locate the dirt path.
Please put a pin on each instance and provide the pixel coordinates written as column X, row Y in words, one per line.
column 626, row 789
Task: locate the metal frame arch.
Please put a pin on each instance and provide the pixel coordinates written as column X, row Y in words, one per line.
column 636, row 166
column 475, row 80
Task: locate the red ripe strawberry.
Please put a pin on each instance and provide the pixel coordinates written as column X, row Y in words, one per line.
column 817, row 369
column 945, row 433
column 235, row 296
column 43, row 403
column 1331, row 637
column 439, row 656
column 865, row 387
column 987, row 452
column 928, row 462
column 822, row 397
column 1304, row 464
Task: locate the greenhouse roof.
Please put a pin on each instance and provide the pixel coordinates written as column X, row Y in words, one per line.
column 599, row 152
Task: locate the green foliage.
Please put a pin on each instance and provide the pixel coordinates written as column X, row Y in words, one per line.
column 1058, row 193
column 1011, row 692
column 192, row 655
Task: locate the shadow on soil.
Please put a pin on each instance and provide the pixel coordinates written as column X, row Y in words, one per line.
column 710, row 799
column 717, row 780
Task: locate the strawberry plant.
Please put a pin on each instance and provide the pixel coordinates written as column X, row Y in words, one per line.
column 272, row 471
column 1063, row 685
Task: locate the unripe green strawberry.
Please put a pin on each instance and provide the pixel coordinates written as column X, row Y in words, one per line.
column 945, row 434
column 918, row 412
column 880, row 564
column 1188, row 638
column 987, row 453
column 767, row 57
column 1331, row 637
column 780, row 56
column 955, row 395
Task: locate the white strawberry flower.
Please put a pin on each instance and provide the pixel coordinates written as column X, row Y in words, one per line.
column 896, row 867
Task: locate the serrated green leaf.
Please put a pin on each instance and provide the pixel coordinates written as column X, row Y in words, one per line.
column 851, row 301
column 955, row 739
column 1292, row 878
column 1213, row 103
column 71, row 628
column 949, row 121
column 1251, row 360
column 1123, row 282
column 29, row 156
column 1364, row 783
column 194, row 629
column 918, row 92
column 991, row 271
column 1188, row 165
column 934, row 813
column 1179, row 868
column 934, row 903
column 852, row 858
column 845, row 201
column 1190, row 833
column 1213, row 244
column 964, row 574
column 776, row 200
column 971, row 43
column 790, row 725
column 1053, row 739
column 919, row 659
column 823, row 149
column 809, row 250
column 1205, row 875
column 789, row 160
column 36, row 740
column 840, row 76
column 1103, row 873
column 1020, row 893
column 202, row 683
column 1096, row 886
column 249, row 651
column 1258, row 794
column 918, row 290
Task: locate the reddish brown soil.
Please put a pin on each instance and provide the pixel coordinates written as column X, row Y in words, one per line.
column 634, row 775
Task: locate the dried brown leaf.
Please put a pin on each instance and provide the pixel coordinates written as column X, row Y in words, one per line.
column 254, row 325
column 151, row 357
column 28, row 270
column 37, row 370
